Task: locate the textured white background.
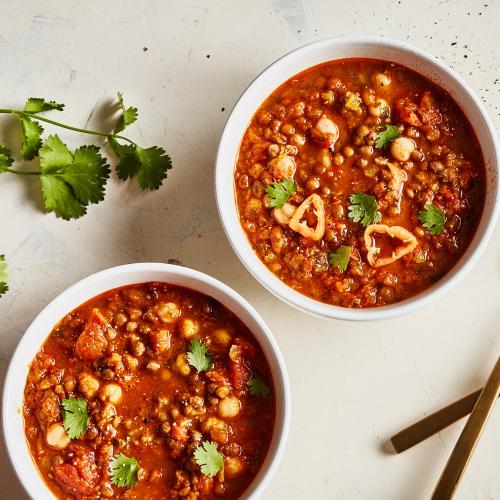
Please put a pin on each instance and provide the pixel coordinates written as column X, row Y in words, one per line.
column 353, row 384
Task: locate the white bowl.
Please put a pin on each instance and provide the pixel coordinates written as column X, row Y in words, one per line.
column 328, row 50
column 115, row 277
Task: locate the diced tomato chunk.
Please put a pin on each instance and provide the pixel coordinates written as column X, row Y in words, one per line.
column 428, row 110
column 92, row 343
column 48, row 408
column 406, row 109
column 71, row 482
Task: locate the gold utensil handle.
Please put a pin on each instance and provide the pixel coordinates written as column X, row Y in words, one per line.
column 434, row 423
column 467, row 441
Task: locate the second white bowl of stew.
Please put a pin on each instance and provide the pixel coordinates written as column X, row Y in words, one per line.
column 357, row 178
column 146, row 381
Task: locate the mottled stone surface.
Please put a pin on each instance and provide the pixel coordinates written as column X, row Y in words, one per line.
column 353, row 383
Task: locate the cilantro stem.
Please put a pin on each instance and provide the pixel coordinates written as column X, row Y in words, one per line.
column 19, row 172
column 68, row 127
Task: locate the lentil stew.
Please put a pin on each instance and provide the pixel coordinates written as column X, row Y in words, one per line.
column 359, row 183
column 149, row 391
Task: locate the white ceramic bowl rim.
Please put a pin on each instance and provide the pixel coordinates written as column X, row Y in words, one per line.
column 307, row 56
column 108, row 279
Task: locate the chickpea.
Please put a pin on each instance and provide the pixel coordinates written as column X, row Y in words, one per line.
column 255, row 170
column 120, row 319
column 348, row 151
column 288, row 129
column 130, row 361
column 168, row 312
column 313, row 184
column 222, row 392
column 221, row 337
column 233, row 466
column 112, row 393
column 88, row 385
column 273, row 150
column 189, row 328
column 56, row 436
column 153, row 366
column 324, row 158
column 229, row 407
column 401, row 148
column 217, row 428
column 338, row 159
column 181, row 365
column 138, row 348
column 382, row 80
column 298, row 140
column 366, row 150
column 243, row 182
column 282, row 166
column 380, row 108
column 131, row 326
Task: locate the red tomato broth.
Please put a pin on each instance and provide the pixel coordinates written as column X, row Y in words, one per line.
column 154, row 401
column 446, row 168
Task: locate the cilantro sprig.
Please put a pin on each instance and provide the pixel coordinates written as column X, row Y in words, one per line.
column 75, row 417
column 386, row 135
column 363, row 209
column 72, row 181
column 209, row 459
column 257, row 387
column 198, row 356
column 340, row 258
column 432, row 218
column 123, row 470
column 3, row 275
column 279, row 192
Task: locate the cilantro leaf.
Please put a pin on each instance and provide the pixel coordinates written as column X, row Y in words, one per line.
column 31, row 137
column 257, row 387
column 150, row 165
column 386, row 135
column 208, row 458
column 433, row 219
column 123, row 470
column 279, row 192
column 198, row 357
column 38, row 104
column 363, row 209
column 3, row 275
column 128, row 116
column 6, row 159
column 71, row 182
column 75, row 417
column 340, row 258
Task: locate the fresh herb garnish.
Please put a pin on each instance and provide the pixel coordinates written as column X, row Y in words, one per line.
column 363, row 209
column 279, row 192
column 257, row 387
column 209, row 459
column 128, row 116
column 432, row 218
column 340, row 258
column 198, row 357
column 3, row 275
column 386, row 135
column 75, row 417
column 70, row 182
column 123, row 471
